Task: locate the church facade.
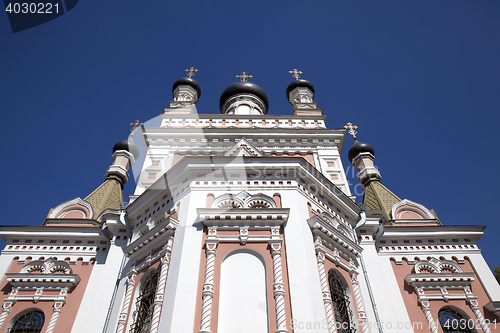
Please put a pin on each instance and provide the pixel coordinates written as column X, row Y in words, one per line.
column 244, row 222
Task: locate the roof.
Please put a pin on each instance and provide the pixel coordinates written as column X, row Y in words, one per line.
column 377, row 196
column 108, row 195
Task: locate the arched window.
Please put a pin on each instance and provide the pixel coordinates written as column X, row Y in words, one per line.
column 144, row 304
column 340, row 302
column 29, row 322
column 453, row 320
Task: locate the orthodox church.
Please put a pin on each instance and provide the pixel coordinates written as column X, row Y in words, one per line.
column 243, row 222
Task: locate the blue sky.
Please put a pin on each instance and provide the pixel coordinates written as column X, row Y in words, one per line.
column 421, row 79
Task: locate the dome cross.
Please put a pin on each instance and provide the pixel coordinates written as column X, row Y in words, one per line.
column 190, row 71
column 243, row 77
column 134, row 125
column 351, row 128
column 295, row 73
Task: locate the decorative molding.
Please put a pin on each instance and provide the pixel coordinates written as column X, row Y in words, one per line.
column 437, row 266
column 48, row 266
column 243, row 200
column 407, row 202
column 321, row 227
column 243, row 148
column 243, row 217
column 76, row 201
column 166, row 227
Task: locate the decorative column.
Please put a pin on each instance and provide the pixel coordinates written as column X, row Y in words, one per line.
column 208, row 287
column 7, row 306
column 475, row 308
column 359, row 302
column 428, row 316
column 55, row 314
column 160, row 291
column 278, row 286
column 122, row 319
column 327, row 300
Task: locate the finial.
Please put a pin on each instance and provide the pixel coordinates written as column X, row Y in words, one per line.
column 134, row 125
column 295, row 73
column 351, row 128
column 243, row 77
column 190, row 71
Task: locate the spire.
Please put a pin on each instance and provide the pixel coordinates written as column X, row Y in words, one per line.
column 109, row 194
column 362, row 156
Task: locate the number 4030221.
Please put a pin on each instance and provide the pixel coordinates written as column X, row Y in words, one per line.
column 32, row 8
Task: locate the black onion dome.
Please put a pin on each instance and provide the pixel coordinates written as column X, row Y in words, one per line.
column 358, row 148
column 298, row 83
column 127, row 145
column 243, row 88
column 183, row 81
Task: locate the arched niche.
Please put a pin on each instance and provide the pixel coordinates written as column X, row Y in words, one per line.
column 243, row 304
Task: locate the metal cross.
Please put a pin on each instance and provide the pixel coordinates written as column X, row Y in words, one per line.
column 243, row 77
column 134, row 125
column 190, row 71
column 351, row 128
column 295, row 73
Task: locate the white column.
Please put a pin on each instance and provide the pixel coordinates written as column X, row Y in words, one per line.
column 278, row 286
column 208, row 286
column 160, row 291
column 7, row 306
column 126, row 303
column 359, row 303
column 55, row 316
column 475, row 308
column 327, row 300
column 428, row 316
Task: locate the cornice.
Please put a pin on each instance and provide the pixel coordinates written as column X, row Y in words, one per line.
column 437, row 231
column 151, row 238
column 238, row 116
column 322, row 228
column 440, row 280
column 243, row 217
column 59, row 232
column 34, row 281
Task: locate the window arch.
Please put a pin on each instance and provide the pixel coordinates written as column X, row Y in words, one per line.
column 454, row 320
column 144, row 303
column 340, row 302
column 30, row 321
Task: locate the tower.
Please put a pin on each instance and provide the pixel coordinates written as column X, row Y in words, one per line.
column 243, row 221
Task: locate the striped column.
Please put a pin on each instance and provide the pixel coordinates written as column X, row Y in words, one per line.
column 7, row 306
column 359, row 303
column 475, row 308
column 160, row 291
column 327, row 300
column 208, row 286
column 126, row 303
column 278, row 286
column 55, row 316
column 428, row 316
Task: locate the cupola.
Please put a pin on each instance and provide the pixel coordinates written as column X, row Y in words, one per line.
column 186, row 89
column 244, row 98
